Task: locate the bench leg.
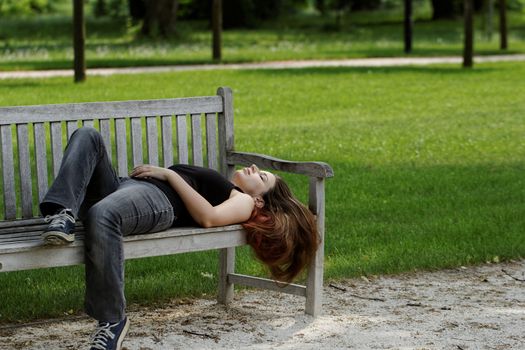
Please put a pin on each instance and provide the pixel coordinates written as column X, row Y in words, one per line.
column 314, row 284
column 226, row 266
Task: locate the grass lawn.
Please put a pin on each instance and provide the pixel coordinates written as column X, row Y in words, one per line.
column 44, row 42
column 429, row 169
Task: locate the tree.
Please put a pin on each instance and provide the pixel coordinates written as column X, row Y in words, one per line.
column 79, row 38
column 409, row 23
column 158, row 16
column 443, row 9
column 468, row 51
column 217, row 29
column 503, row 24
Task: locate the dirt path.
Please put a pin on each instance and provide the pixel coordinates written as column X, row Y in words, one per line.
column 356, row 62
column 480, row 307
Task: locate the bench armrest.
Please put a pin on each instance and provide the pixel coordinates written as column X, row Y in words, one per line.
column 315, row 169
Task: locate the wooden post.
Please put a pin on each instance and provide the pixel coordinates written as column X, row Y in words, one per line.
column 314, row 283
column 217, row 29
column 468, row 50
column 409, row 23
column 79, row 38
column 503, row 24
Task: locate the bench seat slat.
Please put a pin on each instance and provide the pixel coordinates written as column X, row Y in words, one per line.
column 29, row 255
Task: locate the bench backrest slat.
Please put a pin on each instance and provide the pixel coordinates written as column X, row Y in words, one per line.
column 129, row 126
column 196, row 139
column 71, row 126
column 100, row 110
column 105, row 131
column 211, row 140
column 167, row 143
column 122, row 146
column 136, row 141
column 182, row 139
column 8, row 172
column 24, row 165
column 40, row 159
column 152, row 136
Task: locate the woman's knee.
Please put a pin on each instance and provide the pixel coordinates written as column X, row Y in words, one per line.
column 102, row 219
column 86, row 132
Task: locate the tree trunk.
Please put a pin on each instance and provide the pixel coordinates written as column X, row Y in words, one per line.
column 468, row 51
column 217, row 29
column 160, row 17
column 79, row 38
column 503, row 24
column 489, row 16
column 409, row 23
column 443, row 9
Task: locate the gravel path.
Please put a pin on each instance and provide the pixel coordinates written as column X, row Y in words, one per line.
column 480, row 307
column 359, row 62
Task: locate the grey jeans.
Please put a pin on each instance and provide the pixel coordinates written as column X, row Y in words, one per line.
column 110, row 208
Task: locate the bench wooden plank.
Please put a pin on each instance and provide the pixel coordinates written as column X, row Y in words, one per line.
column 167, row 141
column 40, row 159
column 152, row 136
column 24, row 166
column 211, row 140
column 33, row 254
column 196, row 139
column 136, row 141
column 122, row 147
column 315, row 169
column 182, row 139
column 105, row 131
column 8, row 172
column 265, row 283
column 72, row 125
column 314, row 281
column 90, row 123
column 56, row 146
column 118, row 109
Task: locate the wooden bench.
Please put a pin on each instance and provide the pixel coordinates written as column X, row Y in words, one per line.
column 200, row 129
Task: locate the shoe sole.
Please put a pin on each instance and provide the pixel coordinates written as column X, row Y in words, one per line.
column 58, row 238
column 123, row 335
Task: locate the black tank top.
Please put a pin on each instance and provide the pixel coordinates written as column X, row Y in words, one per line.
column 207, row 182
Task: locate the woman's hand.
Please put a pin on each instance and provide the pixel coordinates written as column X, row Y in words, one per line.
column 147, row 171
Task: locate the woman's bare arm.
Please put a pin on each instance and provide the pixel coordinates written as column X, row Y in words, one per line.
column 236, row 209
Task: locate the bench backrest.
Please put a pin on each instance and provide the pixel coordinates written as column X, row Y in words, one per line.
column 159, row 132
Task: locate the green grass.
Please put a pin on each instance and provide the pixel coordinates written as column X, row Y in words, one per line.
column 428, row 161
column 44, row 42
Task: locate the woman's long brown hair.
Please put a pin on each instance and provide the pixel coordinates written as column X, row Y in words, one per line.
column 283, row 234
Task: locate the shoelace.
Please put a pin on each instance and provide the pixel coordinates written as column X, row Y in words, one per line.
column 59, row 220
column 99, row 339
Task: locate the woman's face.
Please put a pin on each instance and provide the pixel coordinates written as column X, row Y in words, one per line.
column 253, row 181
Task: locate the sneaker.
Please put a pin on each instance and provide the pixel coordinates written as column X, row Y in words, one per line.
column 60, row 230
column 109, row 336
